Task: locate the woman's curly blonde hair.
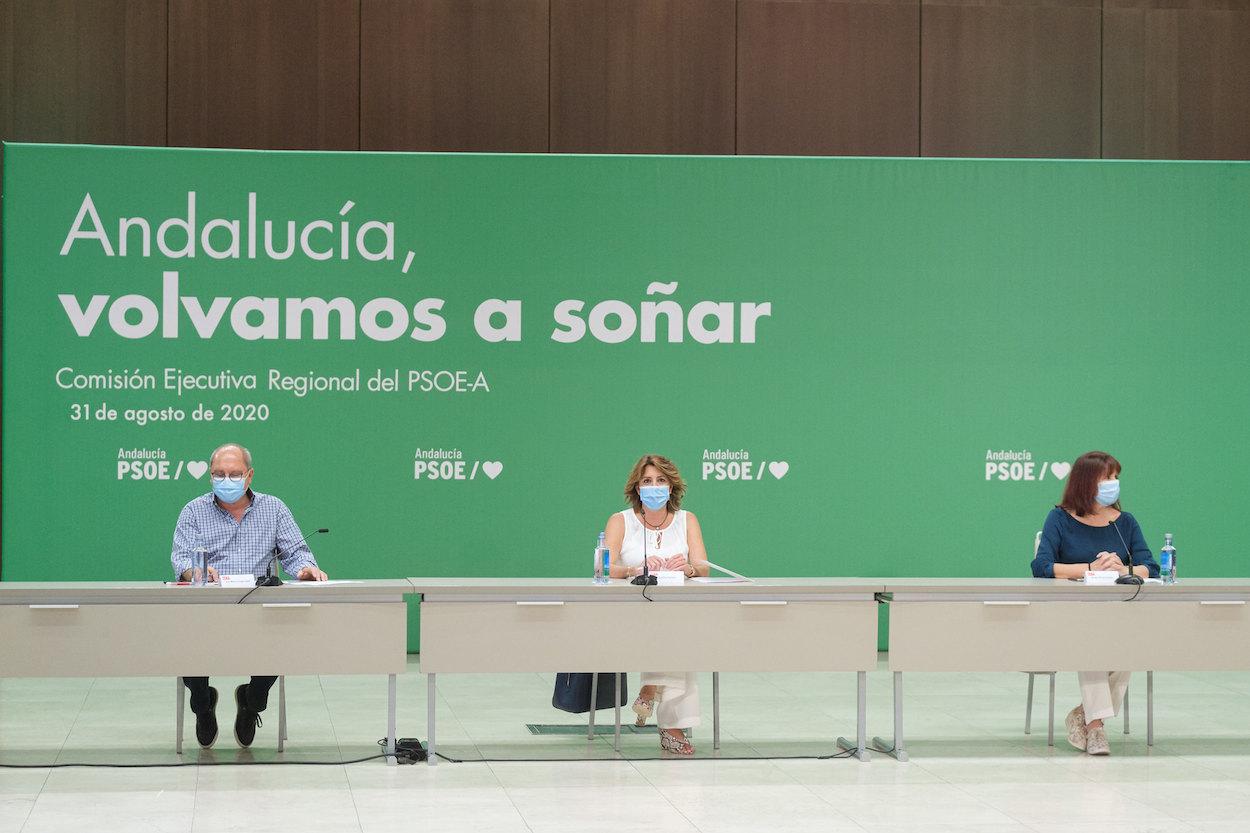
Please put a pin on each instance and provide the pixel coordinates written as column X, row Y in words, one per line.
column 676, row 486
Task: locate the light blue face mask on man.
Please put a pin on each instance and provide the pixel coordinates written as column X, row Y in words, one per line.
column 229, row 491
column 653, row 497
column 1108, row 492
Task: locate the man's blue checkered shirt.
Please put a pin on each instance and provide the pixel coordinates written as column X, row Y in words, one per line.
column 233, row 548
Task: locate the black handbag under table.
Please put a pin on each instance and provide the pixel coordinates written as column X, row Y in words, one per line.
column 572, row 692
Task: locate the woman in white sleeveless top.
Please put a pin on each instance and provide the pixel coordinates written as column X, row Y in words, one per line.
column 669, row 538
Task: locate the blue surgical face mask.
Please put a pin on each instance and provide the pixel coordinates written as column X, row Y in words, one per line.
column 228, row 491
column 1108, row 492
column 653, row 497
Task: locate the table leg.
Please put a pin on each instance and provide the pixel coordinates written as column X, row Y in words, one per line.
column 179, row 704
column 281, row 713
column 860, row 746
column 1050, row 720
column 1150, row 708
column 1028, row 707
column 390, row 720
column 431, row 759
column 715, row 711
column 861, row 706
column 616, row 705
column 1124, row 708
column 898, row 751
column 594, row 701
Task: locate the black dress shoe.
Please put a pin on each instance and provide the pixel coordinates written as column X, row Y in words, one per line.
column 245, row 720
column 206, row 722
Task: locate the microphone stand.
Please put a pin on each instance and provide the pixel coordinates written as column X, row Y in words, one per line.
column 646, row 578
column 271, row 579
column 1130, row 578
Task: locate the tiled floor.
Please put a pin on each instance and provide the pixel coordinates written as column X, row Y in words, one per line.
column 972, row 768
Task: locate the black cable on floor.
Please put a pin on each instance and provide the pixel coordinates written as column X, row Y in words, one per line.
column 845, row 754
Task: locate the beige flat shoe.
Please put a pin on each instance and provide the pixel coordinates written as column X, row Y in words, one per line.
column 1096, row 743
column 1075, row 723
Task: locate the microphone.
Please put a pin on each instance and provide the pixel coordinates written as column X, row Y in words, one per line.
column 271, row 578
column 646, row 578
column 1130, row 578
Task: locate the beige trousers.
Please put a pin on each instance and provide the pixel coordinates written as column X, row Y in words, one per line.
column 1102, row 692
column 676, row 698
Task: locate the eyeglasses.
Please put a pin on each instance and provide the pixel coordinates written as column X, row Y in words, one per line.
column 230, row 478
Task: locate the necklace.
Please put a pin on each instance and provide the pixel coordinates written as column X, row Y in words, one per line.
column 659, row 533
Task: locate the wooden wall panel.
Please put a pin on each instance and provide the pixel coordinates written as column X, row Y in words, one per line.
column 1176, row 79
column 642, row 76
column 83, row 72
column 279, row 74
column 454, row 75
column 1010, row 78
column 828, row 77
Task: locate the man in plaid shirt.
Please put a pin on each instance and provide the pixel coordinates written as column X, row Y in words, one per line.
column 241, row 531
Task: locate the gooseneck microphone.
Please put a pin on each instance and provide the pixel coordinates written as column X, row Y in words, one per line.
column 271, row 578
column 1130, row 578
column 646, row 578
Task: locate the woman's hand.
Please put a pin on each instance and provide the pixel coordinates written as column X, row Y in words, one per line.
column 1109, row 561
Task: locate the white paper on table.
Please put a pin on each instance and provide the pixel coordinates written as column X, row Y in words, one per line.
column 332, row 581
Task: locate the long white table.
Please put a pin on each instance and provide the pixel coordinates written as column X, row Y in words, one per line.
column 967, row 624
column 544, row 625
column 148, row 629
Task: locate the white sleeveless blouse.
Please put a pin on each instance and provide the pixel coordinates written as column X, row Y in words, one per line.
column 672, row 539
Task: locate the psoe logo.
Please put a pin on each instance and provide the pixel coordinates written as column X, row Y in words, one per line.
column 1019, row 466
column 445, row 464
column 154, row 464
column 736, row 464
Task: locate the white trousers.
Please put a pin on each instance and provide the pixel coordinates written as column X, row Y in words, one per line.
column 1102, row 692
column 676, row 698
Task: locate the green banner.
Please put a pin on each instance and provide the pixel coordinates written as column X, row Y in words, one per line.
column 862, row 366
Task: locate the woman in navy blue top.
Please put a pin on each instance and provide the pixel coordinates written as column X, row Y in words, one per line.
column 1088, row 531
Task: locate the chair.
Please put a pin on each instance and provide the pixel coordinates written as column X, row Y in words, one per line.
column 180, row 710
column 1050, row 726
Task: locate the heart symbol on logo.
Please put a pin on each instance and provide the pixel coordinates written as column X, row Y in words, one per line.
column 779, row 469
column 196, row 468
column 1060, row 470
column 492, row 468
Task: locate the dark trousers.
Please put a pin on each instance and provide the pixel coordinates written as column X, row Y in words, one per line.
column 257, row 693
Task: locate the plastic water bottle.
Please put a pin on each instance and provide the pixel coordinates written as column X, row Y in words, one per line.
column 1167, row 560
column 199, row 567
column 603, row 561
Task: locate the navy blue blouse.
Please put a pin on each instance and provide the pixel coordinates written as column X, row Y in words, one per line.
column 1065, row 540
